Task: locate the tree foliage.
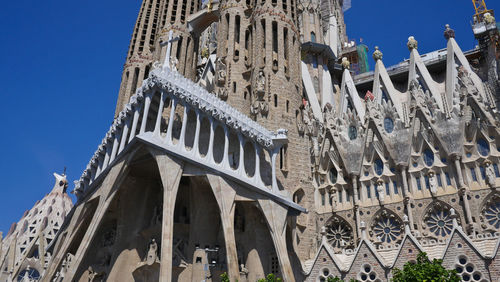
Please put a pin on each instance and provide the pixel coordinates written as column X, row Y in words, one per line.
column 270, row 278
column 425, row 271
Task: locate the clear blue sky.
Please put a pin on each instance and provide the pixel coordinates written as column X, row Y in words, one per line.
column 60, row 70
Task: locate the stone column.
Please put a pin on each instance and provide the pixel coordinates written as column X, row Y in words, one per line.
column 224, row 194
column 170, row 172
column 276, row 218
column 354, row 179
column 462, row 190
column 406, row 195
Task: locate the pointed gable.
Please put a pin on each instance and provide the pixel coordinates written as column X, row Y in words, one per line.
column 462, row 255
column 367, row 263
column 324, row 265
column 408, row 251
column 495, row 263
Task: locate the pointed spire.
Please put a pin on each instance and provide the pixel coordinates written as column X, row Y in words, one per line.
column 454, row 216
column 323, row 234
column 406, row 223
column 412, row 43
column 448, row 32
column 377, row 55
column 362, row 226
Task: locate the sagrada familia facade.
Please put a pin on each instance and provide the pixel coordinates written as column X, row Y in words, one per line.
column 248, row 140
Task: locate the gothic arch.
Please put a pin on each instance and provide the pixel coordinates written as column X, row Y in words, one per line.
column 386, row 227
column 437, row 220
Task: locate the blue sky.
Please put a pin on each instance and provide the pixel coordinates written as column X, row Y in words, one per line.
column 60, row 70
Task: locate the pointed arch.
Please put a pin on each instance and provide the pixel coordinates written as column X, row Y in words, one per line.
column 339, row 233
column 386, row 227
column 437, row 219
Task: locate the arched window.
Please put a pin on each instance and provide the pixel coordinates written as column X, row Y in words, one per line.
column 353, row 132
column 378, row 166
column 428, row 157
column 31, row 273
column 388, row 125
column 332, row 175
column 483, row 147
column 313, row 37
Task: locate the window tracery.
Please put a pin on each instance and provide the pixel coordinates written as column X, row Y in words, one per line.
column 491, row 211
column 387, row 227
column 339, row 234
column 439, row 220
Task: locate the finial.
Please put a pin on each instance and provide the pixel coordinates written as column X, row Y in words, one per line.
column 323, row 234
column 377, row 55
column 362, row 226
column 453, row 215
column 448, row 32
column 412, row 43
column 369, row 95
column 488, row 18
column 406, row 222
column 64, row 172
column 345, row 63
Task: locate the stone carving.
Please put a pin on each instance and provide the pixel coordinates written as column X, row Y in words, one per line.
column 380, row 191
column 491, row 212
column 174, row 62
column 152, row 255
column 221, row 71
column 490, row 174
column 432, row 183
column 345, row 63
column 448, row 32
column 260, row 105
column 467, row 85
column 377, row 55
column 222, row 93
column 95, row 276
column 412, row 43
column 488, row 18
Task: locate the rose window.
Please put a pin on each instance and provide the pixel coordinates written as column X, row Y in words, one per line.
column 492, row 214
column 339, row 234
column 387, row 230
column 440, row 222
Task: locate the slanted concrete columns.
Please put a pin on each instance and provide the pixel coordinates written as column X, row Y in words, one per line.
column 225, row 194
column 170, row 172
column 147, row 103
column 114, row 178
column 276, row 218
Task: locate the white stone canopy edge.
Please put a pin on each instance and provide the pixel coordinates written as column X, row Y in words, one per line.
column 187, row 93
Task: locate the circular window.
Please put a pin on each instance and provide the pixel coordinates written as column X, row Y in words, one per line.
column 353, row 132
column 428, row 157
column 388, row 125
column 379, row 167
column 332, row 174
column 483, row 147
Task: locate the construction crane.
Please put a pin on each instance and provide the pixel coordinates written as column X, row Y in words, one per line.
column 480, row 7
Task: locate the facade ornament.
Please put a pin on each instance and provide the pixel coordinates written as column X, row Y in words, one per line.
column 412, row 43
column 433, row 182
column 333, row 198
column 490, row 174
column 377, row 55
column 260, row 105
column 244, row 271
column 221, row 71
column 260, row 88
column 174, row 62
column 345, row 63
column 448, row 32
column 95, row 275
column 380, row 191
column 152, row 256
column 222, row 93
column 489, row 19
column 369, row 96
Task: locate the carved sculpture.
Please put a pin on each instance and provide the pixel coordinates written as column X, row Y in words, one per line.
column 259, row 105
column 221, row 71
column 490, row 174
column 381, row 192
column 152, row 255
column 433, row 183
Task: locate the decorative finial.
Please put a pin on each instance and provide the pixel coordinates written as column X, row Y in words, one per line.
column 406, row 222
column 369, row 95
column 345, row 63
column 488, row 18
column 448, row 32
column 362, row 226
column 377, row 55
column 412, row 43
column 64, row 172
column 454, row 216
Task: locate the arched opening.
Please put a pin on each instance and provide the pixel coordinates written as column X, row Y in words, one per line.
column 204, row 135
column 233, row 151
column 249, row 159
column 219, row 142
column 190, row 130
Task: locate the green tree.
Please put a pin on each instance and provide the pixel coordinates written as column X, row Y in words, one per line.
column 424, row 271
column 336, row 279
column 224, row 277
column 270, row 278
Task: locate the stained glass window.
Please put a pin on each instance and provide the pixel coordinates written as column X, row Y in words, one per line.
column 353, row 133
column 379, row 166
column 428, row 157
column 483, row 147
column 388, row 125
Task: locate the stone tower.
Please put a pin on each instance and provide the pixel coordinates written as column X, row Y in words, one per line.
column 24, row 250
column 156, row 18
